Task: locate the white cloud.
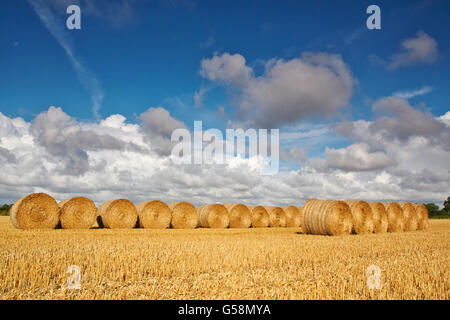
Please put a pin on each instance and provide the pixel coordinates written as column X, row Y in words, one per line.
column 445, row 118
column 227, row 68
column 421, row 49
column 417, row 142
column 356, row 157
column 119, row 163
column 158, row 125
column 404, row 121
column 408, row 94
column 313, row 85
column 298, row 154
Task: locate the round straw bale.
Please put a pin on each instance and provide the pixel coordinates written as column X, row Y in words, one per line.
column 410, row 218
column 293, row 216
column 184, row 215
column 118, row 214
column 213, row 216
column 326, row 217
column 380, row 219
column 154, row 214
column 277, row 217
column 35, row 211
column 362, row 217
column 77, row 213
column 306, row 215
column 395, row 217
column 422, row 213
column 260, row 217
column 240, row 216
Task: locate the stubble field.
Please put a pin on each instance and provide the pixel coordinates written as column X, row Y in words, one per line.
column 269, row 263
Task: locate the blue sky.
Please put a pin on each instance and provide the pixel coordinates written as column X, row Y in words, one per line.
column 350, row 103
column 153, row 57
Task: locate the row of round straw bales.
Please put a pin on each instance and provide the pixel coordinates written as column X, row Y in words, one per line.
column 323, row 217
column 335, row 217
column 41, row 211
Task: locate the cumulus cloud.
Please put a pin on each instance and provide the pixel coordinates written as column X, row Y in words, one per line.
column 158, row 125
column 6, row 156
column 298, row 154
column 118, row 162
column 227, row 68
column 417, row 143
column 407, row 122
column 63, row 138
column 421, row 49
column 445, row 118
column 289, row 90
column 356, row 157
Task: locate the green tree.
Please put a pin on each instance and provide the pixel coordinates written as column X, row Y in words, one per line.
column 447, row 205
column 433, row 209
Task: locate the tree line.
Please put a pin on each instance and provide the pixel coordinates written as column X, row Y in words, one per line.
column 435, row 213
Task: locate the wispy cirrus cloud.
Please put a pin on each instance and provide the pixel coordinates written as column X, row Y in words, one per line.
column 408, row 94
column 56, row 29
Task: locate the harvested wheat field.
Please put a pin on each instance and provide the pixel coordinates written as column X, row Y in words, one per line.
column 259, row 263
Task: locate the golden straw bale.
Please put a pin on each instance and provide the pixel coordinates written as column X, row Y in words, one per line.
column 118, row 214
column 410, row 218
column 362, row 217
column 380, row 219
column 260, row 217
column 293, row 216
column 395, row 217
column 326, row 217
column 154, row 214
column 422, row 213
column 77, row 213
column 240, row 216
column 213, row 216
column 35, row 211
column 277, row 217
column 184, row 215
